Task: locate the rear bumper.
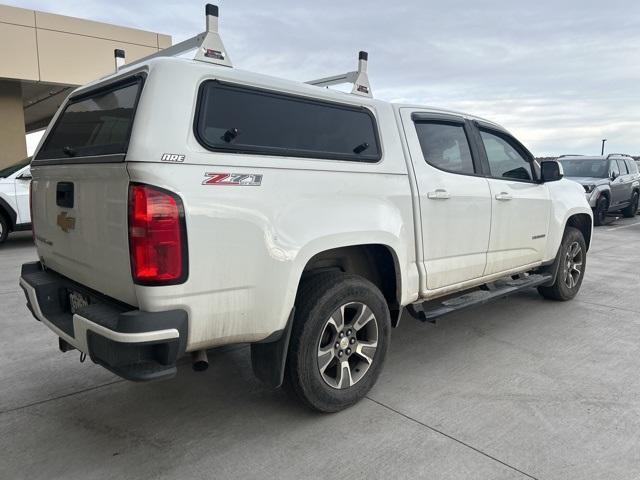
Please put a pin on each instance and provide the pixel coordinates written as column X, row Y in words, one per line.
column 132, row 344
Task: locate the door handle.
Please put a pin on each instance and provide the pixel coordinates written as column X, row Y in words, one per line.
column 439, row 194
column 504, row 196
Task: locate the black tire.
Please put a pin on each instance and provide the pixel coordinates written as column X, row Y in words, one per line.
column 632, row 209
column 319, row 299
column 600, row 212
column 564, row 288
column 4, row 229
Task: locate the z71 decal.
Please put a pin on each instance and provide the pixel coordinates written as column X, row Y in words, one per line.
column 236, row 179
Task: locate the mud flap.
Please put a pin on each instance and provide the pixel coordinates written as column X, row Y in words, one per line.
column 269, row 358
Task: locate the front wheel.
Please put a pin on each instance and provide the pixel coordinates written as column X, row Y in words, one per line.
column 600, row 212
column 572, row 262
column 339, row 340
column 632, row 209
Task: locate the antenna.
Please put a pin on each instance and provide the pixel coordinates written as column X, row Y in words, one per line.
column 359, row 78
column 208, row 44
column 118, row 56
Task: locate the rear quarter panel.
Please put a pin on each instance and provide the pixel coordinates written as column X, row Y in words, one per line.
column 248, row 245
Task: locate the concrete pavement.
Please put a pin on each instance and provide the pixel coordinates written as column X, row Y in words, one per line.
column 521, row 388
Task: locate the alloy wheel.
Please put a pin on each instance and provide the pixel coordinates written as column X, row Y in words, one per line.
column 347, row 345
column 573, row 265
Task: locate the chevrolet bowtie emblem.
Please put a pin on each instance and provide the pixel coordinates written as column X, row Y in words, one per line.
column 66, row 223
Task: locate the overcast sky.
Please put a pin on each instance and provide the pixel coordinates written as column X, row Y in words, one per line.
column 561, row 75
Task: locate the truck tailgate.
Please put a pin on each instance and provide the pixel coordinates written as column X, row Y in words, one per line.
column 80, row 218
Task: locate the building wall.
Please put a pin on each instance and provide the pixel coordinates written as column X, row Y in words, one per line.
column 39, row 46
column 13, row 147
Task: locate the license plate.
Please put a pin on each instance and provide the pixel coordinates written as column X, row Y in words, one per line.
column 77, row 301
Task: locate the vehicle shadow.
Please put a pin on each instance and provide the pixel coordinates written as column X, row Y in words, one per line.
column 18, row 240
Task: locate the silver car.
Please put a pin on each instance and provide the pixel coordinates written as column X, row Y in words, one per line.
column 611, row 183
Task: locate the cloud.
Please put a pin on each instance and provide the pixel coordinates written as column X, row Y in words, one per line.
column 560, row 75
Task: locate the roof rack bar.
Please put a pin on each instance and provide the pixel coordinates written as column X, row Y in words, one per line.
column 118, row 56
column 208, row 44
column 571, row 155
column 618, row 155
column 358, row 78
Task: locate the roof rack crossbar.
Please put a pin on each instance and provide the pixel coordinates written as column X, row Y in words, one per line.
column 208, row 44
column 618, row 155
column 358, row 78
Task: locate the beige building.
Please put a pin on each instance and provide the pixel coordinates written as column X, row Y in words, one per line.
column 43, row 56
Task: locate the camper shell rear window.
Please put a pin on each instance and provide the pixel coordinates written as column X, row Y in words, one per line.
column 94, row 126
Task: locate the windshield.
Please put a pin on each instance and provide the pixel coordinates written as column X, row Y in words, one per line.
column 10, row 170
column 585, row 168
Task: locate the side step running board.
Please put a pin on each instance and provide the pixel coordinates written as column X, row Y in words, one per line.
column 429, row 311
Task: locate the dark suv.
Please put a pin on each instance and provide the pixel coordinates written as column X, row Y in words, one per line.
column 611, row 183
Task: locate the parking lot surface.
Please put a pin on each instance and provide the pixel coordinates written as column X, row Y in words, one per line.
column 520, row 388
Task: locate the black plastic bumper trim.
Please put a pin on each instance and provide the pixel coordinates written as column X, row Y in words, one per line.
column 136, row 361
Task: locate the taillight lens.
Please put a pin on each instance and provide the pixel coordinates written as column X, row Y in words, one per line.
column 157, row 236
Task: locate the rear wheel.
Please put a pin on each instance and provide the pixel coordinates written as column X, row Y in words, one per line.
column 600, row 212
column 572, row 262
column 632, row 209
column 339, row 341
column 4, row 229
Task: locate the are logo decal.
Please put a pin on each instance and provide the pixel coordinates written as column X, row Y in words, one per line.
column 172, row 157
column 234, row 179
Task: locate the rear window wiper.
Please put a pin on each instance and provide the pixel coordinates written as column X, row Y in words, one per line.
column 70, row 151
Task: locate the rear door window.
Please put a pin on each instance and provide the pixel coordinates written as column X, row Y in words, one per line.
column 96, row 123
column 248, row 120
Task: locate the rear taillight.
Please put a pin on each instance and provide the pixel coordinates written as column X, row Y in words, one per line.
column 157, row 236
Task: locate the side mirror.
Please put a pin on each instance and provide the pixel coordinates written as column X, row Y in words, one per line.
column 25, row 176
column 614, row 175
column 550, row 171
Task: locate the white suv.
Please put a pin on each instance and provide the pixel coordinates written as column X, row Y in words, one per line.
column 181, row 204
column 14, row 199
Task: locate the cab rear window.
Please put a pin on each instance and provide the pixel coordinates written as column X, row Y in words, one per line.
column 255, row 121
column 94, row 124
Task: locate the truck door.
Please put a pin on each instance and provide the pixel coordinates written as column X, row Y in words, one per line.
column 521, row 206
column 626, row 181
column 455, row 202
column 617, row 183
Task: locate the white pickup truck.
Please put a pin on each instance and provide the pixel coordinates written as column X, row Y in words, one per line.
column 181, row 204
